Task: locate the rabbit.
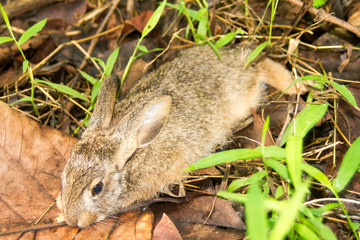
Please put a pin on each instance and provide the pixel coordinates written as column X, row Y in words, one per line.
column 174, row 116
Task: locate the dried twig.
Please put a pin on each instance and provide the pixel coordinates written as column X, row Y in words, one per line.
column 121, row 211
column 321, row 14
column 33, row 228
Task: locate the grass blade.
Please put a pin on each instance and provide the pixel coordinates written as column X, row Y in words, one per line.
column 5, row 39
column 37, row 27
column 100, row 62
column 323, row 231
column 289, row 213
column 154, row 19
column 345, row 92
column 24, row 99
column 95, row 91
column 294, row 159
column 318, row 3
column 272, row 151
column 304, row 121
column 110, row 62
column 243, row 182
column 279, row 168
column 202, row 17
column 238, row 197
column 6, row 19
column 225, row 39
column 224, row 157
column 256, row 214
column 88, row 77
column 25, row 66
column 279, row 192
column 318, row 175
column 256, row 52
column 149, row 51
column 238, row 154
column 321, row 210
column 305, row 232
column 64, row 89
column 348, row 167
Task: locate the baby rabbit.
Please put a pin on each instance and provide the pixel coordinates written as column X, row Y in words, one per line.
column 174, row 116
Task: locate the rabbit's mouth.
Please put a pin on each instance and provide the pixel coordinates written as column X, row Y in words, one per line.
column 85, row 220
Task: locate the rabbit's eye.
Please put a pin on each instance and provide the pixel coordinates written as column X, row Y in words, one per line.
column 97, row 189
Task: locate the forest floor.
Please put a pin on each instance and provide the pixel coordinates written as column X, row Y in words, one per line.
column 36, row 138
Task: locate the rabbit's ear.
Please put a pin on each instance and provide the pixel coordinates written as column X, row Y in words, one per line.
column 153, row 120
column 104, row 107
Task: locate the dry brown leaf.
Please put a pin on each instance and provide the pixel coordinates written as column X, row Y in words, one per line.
column 9, row 76
column 132, row 225
column 137, row 70
column 144, row 225
column 204, row 232
column 220, row 213
column 61, row 11
column 32, row 159
column 257, row 130
column 19, row 7
column 166, row 229
column 354, row 13
column 139, row 22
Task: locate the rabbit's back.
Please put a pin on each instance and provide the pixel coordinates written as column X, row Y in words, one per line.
column 209, row 97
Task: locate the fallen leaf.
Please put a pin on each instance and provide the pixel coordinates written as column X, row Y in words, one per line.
column 61, row 11
column 133, row 225
column 204, row 232
column 139, row 22
column 9, row 76
column 144, row 225
column 19, row 7
column 32, row 160
column 137, row 70
column 166, row 229
column 202, row 210
column 354, row 13
column 258, row 127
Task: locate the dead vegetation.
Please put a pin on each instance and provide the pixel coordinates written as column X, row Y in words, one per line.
column 34, row 148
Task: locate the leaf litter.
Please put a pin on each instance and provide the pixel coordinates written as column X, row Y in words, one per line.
column 33, row 154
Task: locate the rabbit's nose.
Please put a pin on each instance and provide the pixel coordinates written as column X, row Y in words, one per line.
column 70, row 219
column 85, row 219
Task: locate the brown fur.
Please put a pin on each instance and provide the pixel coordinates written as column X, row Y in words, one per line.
column 173, row 117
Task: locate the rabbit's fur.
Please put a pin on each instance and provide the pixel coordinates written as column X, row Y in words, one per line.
column 174, row 116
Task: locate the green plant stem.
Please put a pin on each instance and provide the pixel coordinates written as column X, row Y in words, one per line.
column 246, row 8
column 32, row 89
column 347, row 215
column 200, row 4
column 262, row 17
column 273, row 11
column 131, row 60
column 190, row 24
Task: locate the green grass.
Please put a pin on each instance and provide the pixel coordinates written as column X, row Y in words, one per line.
column 284, row 214
column 23, row 38
column 289, row 218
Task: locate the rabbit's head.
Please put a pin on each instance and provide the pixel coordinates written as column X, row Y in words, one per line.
column 91, row 181
column 94, row 181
